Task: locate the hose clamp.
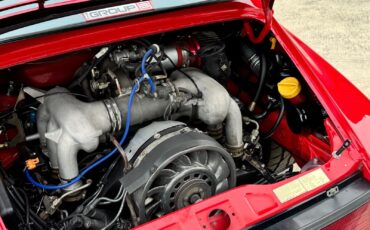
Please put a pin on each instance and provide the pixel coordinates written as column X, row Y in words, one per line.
column 114, row 114
column 235, row 151
column 137, row 82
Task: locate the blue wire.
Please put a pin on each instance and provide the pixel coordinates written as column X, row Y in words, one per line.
column 127, row 127
column 144, row 72
column 146, row 56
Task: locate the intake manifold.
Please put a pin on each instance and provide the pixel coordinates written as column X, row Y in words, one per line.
column 67, row 125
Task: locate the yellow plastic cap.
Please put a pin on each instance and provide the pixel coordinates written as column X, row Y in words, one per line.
column 289, row 87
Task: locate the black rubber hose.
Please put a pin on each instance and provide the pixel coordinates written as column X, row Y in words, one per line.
column 33, row 214
column 277, row 122
column 27, row 208
column 264, row 113
column 20, row 205
column 271, row 106
column 18, row 200
column 262, row 78
column 72, row 219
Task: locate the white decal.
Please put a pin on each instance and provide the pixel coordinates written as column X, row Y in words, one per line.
column 115, row 11
column 303, row 184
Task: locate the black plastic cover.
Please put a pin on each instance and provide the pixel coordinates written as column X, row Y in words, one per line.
column 322, row 210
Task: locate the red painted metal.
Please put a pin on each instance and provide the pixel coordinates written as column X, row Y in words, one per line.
column 2, row 225
column 7, row 102
column 298, row 100
column 266, row 28
column 336, row 94
column 219, row 221
column 358, row 220
column 303, row 147
column 249, row 204
column 8, row 156
column 65, row 42
column 52, row 71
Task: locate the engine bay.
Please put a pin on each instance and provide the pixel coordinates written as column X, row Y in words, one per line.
column 115, row 136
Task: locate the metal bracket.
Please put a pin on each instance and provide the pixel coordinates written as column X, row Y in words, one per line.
column 338, row 153
column 332, row 192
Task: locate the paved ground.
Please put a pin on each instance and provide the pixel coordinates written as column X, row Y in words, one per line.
column 339, row 30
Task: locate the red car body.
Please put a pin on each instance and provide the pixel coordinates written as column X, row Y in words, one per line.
column 247, row 205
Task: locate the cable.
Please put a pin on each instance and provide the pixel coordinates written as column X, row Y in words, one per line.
column 16, row 197
column 103, row 200
column 125, row 134
column 20, row 205
column 184, row 90
column 108, row 171
column 199, row 93
column 144, row 72
column 270, row 106
column 107, row 200
column 278, row 120
column 27, row 210
column 110, row 224
column 126, row 164
column 260, row 84
column 101, row 185
column 35, row 220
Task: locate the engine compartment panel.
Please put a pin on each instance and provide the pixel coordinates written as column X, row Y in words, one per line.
column 149, row 126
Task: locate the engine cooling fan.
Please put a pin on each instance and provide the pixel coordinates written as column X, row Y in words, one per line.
column 188, row 179
column 179, row 169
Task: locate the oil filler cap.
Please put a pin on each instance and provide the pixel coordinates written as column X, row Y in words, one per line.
column 289, row 87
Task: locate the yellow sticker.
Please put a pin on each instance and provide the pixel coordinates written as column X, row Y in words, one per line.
column 301, row 185
column 314, row 179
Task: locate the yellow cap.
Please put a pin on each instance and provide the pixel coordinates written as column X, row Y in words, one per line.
column 289, row 87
